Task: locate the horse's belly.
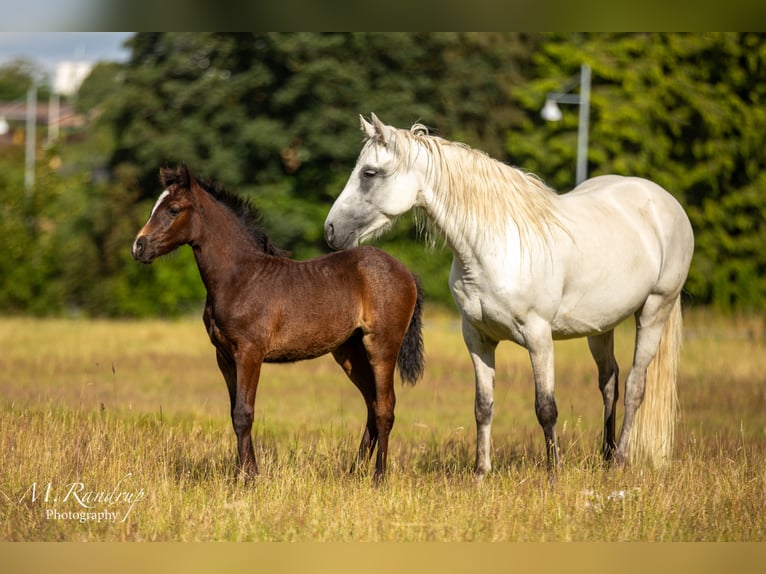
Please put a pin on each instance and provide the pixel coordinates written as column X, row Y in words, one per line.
column 573, row 325
column 308, row 339
column 597, row 306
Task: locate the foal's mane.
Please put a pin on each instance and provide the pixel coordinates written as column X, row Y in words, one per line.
column 245, row 211
column 481, row 194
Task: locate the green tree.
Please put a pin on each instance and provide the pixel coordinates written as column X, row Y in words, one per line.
column 18, row 75
column 96, row 88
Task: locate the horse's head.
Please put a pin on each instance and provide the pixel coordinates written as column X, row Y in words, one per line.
column 383, row 185
column 170, row 223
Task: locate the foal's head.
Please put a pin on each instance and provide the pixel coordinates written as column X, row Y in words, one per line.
column 177, row 217
column 170, row 224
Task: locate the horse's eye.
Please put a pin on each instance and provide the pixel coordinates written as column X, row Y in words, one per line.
column 174, row 210
column 370, row 173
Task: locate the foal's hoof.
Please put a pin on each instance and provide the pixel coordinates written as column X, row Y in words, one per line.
column 378, row 480
column 553, row 469
column 247, row 474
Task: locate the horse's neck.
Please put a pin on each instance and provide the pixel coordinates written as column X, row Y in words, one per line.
column 223, row 248
column 465, row 234
column 485, row 223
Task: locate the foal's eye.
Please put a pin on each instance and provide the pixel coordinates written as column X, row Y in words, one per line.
column 174, row 210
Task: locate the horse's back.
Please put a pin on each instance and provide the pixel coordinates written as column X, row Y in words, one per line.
column 373, row 259
column 626, row 213
column 384, row 276
column 617, row 191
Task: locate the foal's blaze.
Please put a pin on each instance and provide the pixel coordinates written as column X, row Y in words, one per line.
column 361, row 305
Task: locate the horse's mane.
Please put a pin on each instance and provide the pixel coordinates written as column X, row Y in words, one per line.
column 480, row 194
column 245, row 211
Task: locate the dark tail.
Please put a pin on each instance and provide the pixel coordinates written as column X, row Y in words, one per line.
column 411, row 360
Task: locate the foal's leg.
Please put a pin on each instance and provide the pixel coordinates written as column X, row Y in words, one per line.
column 352, row 357
column 382, row 353
column 602, row 349
column 229, row 371
column 243, row 409
column 650, row 321
column 228, row 367
column 482, row 350
column 540, row 345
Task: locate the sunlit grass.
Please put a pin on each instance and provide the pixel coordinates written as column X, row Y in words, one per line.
column 140, row 406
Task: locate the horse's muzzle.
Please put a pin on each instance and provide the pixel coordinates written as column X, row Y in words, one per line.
column 140, row 250
column 329, row 234
column 337, row 241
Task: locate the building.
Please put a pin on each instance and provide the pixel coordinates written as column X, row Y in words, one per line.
column 53, row 115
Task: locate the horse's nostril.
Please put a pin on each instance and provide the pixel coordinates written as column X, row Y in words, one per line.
column 139, row 246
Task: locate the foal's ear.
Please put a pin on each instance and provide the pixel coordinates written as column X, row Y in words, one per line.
column 184, row 177
column 179, row 176
column 167, row 177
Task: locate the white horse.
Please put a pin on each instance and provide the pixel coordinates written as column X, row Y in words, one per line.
column 532, row 266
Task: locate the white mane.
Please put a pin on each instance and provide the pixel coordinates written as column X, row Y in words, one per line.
column 480, row 194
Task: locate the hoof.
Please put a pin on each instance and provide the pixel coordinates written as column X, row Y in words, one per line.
column 247, row 473
column 479, row 474
column 378, row 480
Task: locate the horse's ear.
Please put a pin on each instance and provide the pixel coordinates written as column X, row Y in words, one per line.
column 169, row 177
column 367, row 128
column 382, row 131
column 166, row 176
column 184, row 177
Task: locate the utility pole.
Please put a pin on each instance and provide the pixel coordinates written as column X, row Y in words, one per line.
column 29, row 171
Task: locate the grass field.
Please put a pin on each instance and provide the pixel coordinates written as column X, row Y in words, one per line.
column 120, row 431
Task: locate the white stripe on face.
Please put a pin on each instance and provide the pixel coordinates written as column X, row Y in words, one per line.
column 162, row 196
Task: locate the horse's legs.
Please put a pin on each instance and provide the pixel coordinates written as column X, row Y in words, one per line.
column 382, row 355
column 650, row 321
column 540, row 345
column 602, row 349
column 229, row 371
column 352, row 357
column 482, row 352
column 241, row 396
column 242, row 411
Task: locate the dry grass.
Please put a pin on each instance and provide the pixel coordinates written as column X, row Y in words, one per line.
column 139, row 408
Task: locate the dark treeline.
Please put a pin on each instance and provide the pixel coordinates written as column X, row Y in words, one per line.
column 275, row 117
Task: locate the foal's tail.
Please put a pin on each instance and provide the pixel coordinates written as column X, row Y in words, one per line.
column 654, row 427
column 411, row 360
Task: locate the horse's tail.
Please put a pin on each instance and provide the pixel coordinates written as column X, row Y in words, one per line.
column 654, row 425
column 411, row 360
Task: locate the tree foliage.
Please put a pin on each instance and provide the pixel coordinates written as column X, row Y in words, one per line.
column 17, row 76
column 274, row 116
